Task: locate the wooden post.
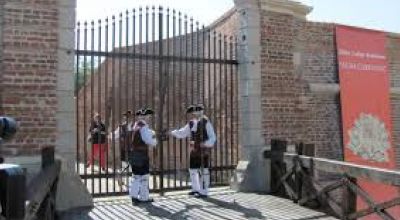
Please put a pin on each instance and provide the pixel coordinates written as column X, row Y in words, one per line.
column 278, row 148
column 298, row 178
column 47, row 157
column 349, row 199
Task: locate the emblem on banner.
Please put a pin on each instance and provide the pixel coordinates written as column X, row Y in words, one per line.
column 369, row 138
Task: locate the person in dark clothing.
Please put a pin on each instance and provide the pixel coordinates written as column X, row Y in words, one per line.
column 122, row 135
column 98, row 139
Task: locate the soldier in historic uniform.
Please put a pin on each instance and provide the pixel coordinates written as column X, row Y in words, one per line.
column 202, row 138
column 123, row 135
column 142, row 139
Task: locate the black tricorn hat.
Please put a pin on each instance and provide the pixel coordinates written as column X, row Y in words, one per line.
column 194, row 108
column 191, row 109
column 144, row 111
column 199, row 107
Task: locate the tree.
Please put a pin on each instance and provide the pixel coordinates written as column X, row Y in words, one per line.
column 83, row 71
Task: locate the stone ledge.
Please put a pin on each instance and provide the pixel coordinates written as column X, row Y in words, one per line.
column 294, row 8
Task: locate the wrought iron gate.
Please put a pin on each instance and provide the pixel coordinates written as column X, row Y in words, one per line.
column 163, row 60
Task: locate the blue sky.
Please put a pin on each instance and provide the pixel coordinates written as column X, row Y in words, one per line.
column 375, row 14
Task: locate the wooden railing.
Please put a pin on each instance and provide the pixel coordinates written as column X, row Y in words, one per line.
column 293, row 177
column 41, row 191
column 35, row 200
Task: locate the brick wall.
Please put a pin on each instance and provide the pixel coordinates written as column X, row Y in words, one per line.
column 393, row 52
column 318, row 65
column 29, row 73
column 280, row 88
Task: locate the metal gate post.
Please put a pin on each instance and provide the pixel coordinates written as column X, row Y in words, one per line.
column 161, row 95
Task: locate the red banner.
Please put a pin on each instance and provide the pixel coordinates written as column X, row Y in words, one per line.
column 365, row 101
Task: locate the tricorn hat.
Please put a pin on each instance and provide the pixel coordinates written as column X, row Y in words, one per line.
column 144, row 112
column 194, row 108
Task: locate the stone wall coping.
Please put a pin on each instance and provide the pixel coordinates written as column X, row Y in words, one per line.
column 294, row 8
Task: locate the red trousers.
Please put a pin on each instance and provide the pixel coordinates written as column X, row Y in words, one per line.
column 99, row 150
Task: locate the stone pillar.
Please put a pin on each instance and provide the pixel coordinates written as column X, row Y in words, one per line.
column 254, row 167
column 71, row 192
column 256, row 57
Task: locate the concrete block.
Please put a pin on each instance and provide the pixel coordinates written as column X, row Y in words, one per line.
column 66, row 39
column 249, row 55
column 250, row 72
column 66, row 60
column 67, row 15
column 253, row 121
column 239, row 175
column 250, row 103
column 246, row 4
column 253, row 171
column 252, row 137
column 297, row 58
column 71, row 192
column 67, row 3
column 67, row 102
column 249, row 18
column 250, row 87
column 65, row 81
column 66, row 121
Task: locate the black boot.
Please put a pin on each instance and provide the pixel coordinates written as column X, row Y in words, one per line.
column 192, row 193
column 150, row 200
column 135, row 201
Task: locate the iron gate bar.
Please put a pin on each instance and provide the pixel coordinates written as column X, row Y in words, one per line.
column 91, row 92
column 147, row 53
column 237, row 98
column 161, row 94
column 167, row 94
column 155, row 57
column 231, row 91
column 99, row 83
column 156, row 172
column 191, row 62
column 113, row 94
column 180, row 88
column 154, row 81
column 127, row 104
column 186, row 85
column 140, row 56
column 84, row 98
column 210, row 110
column 133, row 85
column 226, row 104
column 219, row 106
column 203, row 33
column 99, row 195
column 173, row 90
column 215, row 104
column 106, row 103
column 78, row 34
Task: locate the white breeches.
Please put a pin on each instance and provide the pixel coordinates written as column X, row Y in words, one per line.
column 200, row 180
column 139, row 187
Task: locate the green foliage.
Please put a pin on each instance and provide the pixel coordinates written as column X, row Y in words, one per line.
column 83, row 73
